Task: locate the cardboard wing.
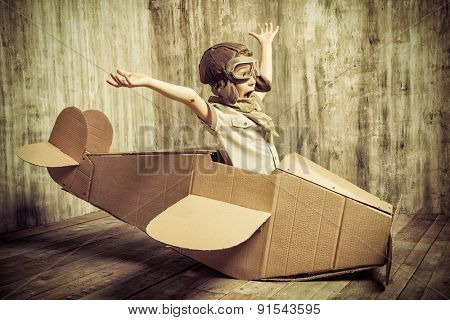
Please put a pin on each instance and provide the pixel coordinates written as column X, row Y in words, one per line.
column 244, row 224
column 200, row 223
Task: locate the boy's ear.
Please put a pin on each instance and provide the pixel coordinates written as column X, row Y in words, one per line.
column 262, row 84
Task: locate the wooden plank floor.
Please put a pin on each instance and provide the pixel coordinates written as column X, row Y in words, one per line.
column 99, row 257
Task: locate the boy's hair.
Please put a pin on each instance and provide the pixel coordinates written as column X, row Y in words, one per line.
column 212, row 70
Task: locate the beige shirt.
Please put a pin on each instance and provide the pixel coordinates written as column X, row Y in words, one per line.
column 242, row 139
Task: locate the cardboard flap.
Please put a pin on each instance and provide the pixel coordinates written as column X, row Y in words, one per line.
column 308, row 170
column 45, row 154
column 200, row 223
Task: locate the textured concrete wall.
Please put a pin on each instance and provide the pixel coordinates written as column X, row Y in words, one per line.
column 360, row 87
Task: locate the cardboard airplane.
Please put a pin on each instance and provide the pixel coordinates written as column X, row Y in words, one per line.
column 301, row 221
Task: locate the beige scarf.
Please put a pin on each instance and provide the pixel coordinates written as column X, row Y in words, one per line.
column 251, row 108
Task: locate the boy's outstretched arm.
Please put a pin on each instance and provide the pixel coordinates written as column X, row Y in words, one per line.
column 181, row 94
column 265, row 39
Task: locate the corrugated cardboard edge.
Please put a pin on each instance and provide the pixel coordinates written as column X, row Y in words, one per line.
column 308, row 277
column 390, row 245
column 191, row 179
column 271, row 222
column 336, row 246
column 159, row 152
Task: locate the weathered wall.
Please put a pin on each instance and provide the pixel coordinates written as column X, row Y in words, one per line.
column 360, row 87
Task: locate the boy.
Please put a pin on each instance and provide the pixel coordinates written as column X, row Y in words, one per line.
column 234, row 113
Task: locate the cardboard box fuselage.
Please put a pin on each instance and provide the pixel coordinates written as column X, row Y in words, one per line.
column 310, row 230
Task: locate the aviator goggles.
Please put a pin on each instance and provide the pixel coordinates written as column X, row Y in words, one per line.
column 235, row 64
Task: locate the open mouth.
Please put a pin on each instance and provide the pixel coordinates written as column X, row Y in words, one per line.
column 248, row 94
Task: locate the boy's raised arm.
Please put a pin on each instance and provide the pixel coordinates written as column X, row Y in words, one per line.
column 265, row 39
column 181, row 94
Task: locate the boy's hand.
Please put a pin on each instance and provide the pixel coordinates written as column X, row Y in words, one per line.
column 267, row 34
column 128, row 79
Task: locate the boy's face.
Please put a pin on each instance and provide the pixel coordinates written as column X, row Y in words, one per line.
column 245, row 89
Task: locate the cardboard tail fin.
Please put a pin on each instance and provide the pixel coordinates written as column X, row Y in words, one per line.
column 74, row 134
column 65, row 146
